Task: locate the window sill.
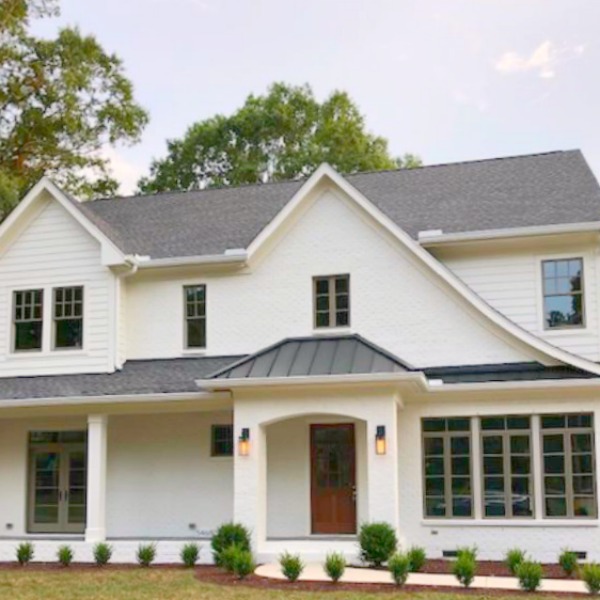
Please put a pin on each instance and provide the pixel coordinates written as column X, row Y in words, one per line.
column 332, row 330
column 29, row 354
column 567, row 331
column 194, row 352
column 510, row 523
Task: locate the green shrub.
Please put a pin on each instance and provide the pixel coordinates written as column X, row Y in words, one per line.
column 25, row 553
column 244, row 564
column 470, row 551
column 513, row 558
column 417, row 558
column 335, row 565
column 590, row 573
column 65, row 555
column 229, row 534
column 400, row 566
column 464, row 568
column 228, row 557
column 190, row 553
column 530, row 575
column 291, row 566
column 568, row 561
column 377, row 543
column 146, row 554
column 102, row 553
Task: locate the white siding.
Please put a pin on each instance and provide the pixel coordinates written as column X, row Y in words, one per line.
column 509, row 279
column 394, row 301
column 54, row 250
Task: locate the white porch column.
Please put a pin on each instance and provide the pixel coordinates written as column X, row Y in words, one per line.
column 96, row 479
column 382, row 470
column 250, row 480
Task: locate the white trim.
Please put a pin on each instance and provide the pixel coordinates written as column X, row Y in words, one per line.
column 512, row 523
column 208, row 259
column 325, row 171
column 431, row 238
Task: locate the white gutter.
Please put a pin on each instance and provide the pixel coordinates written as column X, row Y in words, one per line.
column 208, row 259
column 436, row 238
column 117, row 399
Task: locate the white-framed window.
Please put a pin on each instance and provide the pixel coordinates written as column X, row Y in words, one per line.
column 331, row 301
column 563, row 293
column 195, row 316
column 28, row 320
column 68, row 317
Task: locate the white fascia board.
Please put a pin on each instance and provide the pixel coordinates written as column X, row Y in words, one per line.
column 497, row 319
column 111, row 254
column 116, row 399
column 314, row 380
column 430, row 239
column 532, row 385
column 208, row 259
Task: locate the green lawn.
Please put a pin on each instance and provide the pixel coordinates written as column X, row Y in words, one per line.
column 162, row 585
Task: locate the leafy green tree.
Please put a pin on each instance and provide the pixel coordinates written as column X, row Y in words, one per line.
column 61, row 101
column 284, row 134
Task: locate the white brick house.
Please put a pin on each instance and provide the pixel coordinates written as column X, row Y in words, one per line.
column 418, row 347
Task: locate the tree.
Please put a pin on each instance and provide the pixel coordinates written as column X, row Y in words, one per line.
column 284, row 134
column 61, row 101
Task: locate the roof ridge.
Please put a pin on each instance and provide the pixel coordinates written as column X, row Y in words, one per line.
column 345, row 175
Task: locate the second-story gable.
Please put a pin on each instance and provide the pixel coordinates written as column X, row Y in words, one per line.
column 56, row 298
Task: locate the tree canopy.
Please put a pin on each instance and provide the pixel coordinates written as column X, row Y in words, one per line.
column 284, row 134
column 61, row 101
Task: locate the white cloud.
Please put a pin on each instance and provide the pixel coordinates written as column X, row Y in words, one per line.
column 123, row 170
column 544, row 60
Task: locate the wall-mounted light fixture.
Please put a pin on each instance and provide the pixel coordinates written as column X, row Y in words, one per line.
column 380, row 443
column 244, row 442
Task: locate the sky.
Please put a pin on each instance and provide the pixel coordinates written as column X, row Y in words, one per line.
column 449, row 80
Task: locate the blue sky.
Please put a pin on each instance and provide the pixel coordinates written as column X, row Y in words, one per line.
column 449, row 80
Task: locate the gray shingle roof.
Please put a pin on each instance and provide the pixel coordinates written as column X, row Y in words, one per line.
column 137, row 377
column 314, row 356
column 542, row 189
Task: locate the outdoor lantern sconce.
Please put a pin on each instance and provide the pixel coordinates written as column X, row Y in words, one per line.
column 380, row 444
column 244, row 442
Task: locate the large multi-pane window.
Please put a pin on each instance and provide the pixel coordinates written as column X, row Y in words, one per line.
column 563, row 292
column 568, row 466
column 506, row 466
column 195, row 316
column 447, row 467
column 332, row 301
column 28, row 319
column 68, row 317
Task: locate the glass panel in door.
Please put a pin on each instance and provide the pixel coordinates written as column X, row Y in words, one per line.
column 75, row 490
column 46, row 491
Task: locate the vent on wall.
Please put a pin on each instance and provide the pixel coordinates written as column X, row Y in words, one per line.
column 581, row 555
column 449, row 553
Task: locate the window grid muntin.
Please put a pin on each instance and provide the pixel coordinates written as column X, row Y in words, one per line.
column 194, row 297
column 572, row 293
column 331, row 302
column 566, row 432
column 450, row 429
column 28, row 308
column 68, row 309
column 506, row 430
column 221, row 440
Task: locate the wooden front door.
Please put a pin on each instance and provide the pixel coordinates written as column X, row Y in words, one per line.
column 333, row 478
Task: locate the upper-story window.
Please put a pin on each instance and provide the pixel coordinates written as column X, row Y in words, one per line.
column 563, row 293
column 68, row 317
column 28, row 319
column 195, row 316
column 332, row 301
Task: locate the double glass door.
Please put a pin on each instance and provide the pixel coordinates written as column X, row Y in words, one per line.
column 57, row 482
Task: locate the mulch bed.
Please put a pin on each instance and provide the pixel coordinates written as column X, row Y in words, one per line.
column 491, row 568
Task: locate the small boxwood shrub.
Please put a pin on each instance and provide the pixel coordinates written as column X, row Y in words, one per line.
column 229, row 534
column 291, row 566
column 513, row 558
column 377, row 543
column 568, row 561
column 530, row 575
column 146, row 554
column 417, row 558
column 102, row 553
column 228, row 557
column 464, row 568
column 64, row 555
column 335, row 565
column 244, row 564
column 590, row 573
column 400, row 566
column 190, row 553
column 25, row 553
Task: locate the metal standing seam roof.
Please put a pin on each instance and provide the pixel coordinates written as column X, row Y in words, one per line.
column 522, row 191
column 313, row 356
